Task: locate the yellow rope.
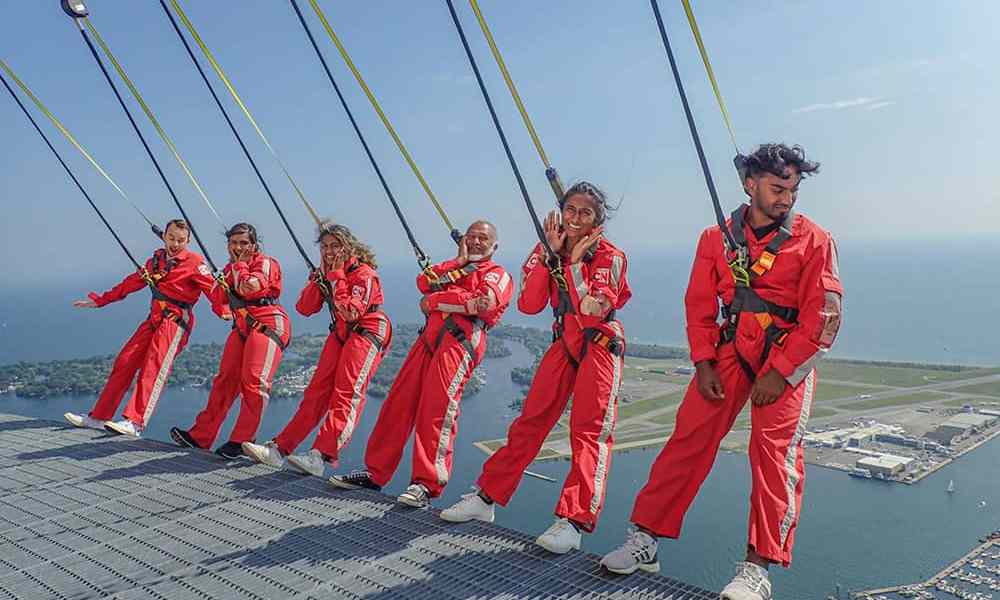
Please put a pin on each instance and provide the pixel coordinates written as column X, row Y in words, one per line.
column 510, row 83
column 708, row 69
column 378, row 110
column 239, row 101
column 69, row 137
column 152, row 119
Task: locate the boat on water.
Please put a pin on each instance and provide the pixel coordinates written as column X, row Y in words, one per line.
column 951, row 486
column 859, row 472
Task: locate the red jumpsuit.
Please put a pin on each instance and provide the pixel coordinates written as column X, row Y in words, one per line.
column 348, row 361
column 804, row 276
column 426, row 393
column 250, row 356
column 159, row 339
column 594, row 385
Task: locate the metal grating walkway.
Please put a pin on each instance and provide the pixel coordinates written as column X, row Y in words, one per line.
column 86, row 515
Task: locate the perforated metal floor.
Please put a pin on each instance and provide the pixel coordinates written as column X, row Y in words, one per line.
column 86, row 515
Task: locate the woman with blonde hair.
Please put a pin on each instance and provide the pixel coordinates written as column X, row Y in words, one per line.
column 348, row 285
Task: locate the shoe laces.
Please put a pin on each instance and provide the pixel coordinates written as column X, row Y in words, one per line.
column 417, row 491
column 640, row 545
column 750, row 574
column 561, row 525
column 357, row 476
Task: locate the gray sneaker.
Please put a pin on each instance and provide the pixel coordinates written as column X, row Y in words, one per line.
column 638, row 552
column 416, row 496
column 84, row 421
column 751, row 583
column 124, row 427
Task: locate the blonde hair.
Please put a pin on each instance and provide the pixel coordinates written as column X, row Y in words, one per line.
column 356, row 247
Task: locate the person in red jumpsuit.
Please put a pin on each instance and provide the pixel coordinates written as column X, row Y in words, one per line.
column 180, row 277
column 261, row 332
column 360, row 333
column 584, row 362
column 765, row 353
column 463, row 298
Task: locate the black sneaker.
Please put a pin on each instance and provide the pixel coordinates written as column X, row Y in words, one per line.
column 230, row 450
column 355, row 480
column 183, row 438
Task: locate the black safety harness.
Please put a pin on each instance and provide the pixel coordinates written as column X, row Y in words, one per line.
column 745, row 298
column 161, row 267
column 326, row 287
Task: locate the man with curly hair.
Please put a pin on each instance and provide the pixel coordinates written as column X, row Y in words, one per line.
column 781, row 295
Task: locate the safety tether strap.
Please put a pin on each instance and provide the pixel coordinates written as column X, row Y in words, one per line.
column 243, row 107
column 719, row 216
column 455, row 234
column 145, row 144
column 550, row 172
column 422, row 258
column 711, row 73
column 55, row 152
column 72, row 140
column 451, row 327
column 246, row 152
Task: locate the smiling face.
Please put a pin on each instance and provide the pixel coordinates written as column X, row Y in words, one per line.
column 329, row 247
column 239, row 243
column 480, row 241
column 175, row 240
column 579, row 217
column 771, row 197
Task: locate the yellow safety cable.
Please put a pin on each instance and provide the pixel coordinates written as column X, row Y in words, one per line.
column 152, row 119
column 708, row 69
column 239, row 101
column 72, row 140
column 378, row 109
column 510, row 83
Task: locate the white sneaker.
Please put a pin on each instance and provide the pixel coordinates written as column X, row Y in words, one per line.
column 124, row 427
column 560, row 538
column 85, row 421
column 310, row 463
column 268, row 454
column 470, row 507
column 751, row 583
column 416, row 496
column 638, row 552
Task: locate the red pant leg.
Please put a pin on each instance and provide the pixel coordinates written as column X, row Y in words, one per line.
column 167, row 341
column 397, row 416
column 261, row 357
column 128, row 361
column 778, row 470
column 689, row 454
column 358, row 363
column 545, row 402
column 592, row 425
column 437, row 414
column 225, row 388
column 315, row 399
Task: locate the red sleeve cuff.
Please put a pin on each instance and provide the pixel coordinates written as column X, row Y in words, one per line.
column 780, row 363
column 700, row 354
column 97, row 299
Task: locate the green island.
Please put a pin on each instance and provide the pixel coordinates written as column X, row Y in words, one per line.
column 196, row 366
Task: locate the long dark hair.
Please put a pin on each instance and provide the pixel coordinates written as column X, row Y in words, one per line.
column 347, row 239
column 246, row 228
column 585, row 188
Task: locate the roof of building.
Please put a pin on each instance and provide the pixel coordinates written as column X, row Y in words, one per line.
column 968, row 420
column 885, row 461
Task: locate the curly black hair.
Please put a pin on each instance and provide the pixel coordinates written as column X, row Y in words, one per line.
column 774, row 158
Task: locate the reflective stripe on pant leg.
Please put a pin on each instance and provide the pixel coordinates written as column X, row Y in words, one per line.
column 791, row 458
column 444, row 440
column 359, row 384
column 272, row 349
column 607, row 428
column 161, row 376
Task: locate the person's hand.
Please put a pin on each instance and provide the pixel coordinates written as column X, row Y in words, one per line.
column 88, row 303
column 463, row 253
column 227, row 316
column 425, row 306
column 767, row 388
column 245, row 256
column 479, row 305
column 554, row 233
column 348, row 314
column 709, row 383
column 584, row 244
column 594, row 306
column 338, row 261
column 248, row 286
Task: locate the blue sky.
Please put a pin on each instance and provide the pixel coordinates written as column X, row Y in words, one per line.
column 898, row 106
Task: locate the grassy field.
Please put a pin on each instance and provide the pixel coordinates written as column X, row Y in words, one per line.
column 831, row 391
column 895, row 376
column 985, row 389
column 648, row 404
column 915, row 398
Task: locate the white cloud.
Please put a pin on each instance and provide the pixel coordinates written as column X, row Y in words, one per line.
column 879, row 105
column 842, row 104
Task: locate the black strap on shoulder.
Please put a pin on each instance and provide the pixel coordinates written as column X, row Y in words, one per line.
column 255, row 325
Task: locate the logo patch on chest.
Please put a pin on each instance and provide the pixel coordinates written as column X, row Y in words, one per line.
column 358, row 291
column 203, row 269
column 493, row 278
column 602, row 275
